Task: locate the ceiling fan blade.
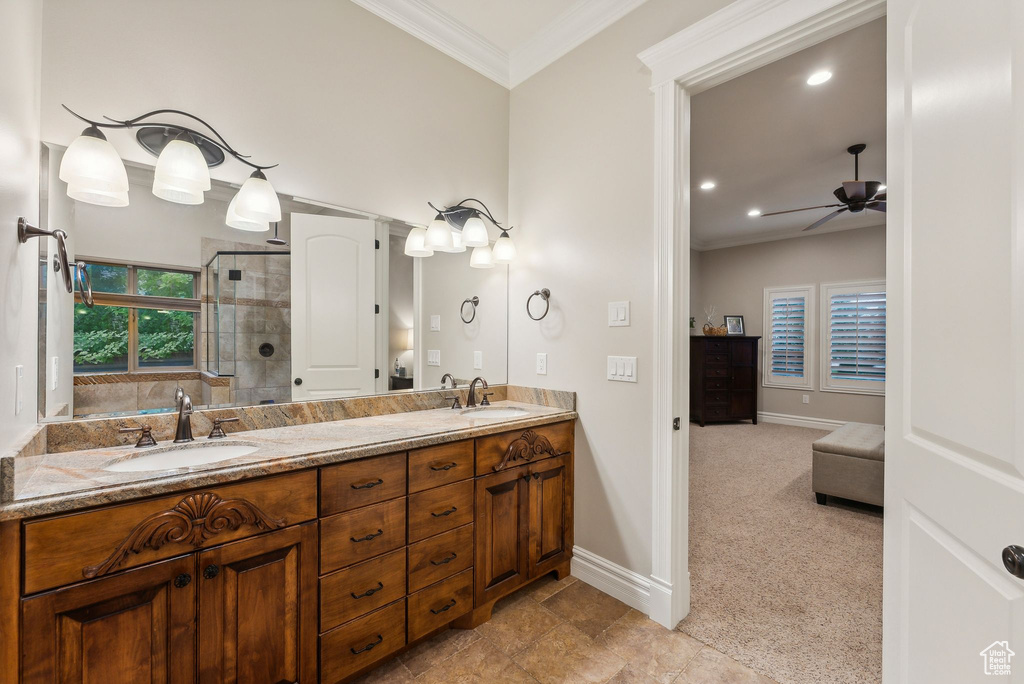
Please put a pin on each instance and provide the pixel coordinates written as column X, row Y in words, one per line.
column 831, row 216
column 879, row 198
column 840, row 194
column 790, row 211
column 877, row 206
column 855, row 190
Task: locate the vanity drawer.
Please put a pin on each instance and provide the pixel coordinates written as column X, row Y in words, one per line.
column 439, row 510
column 354, row 536
column 361, row 643
column 440, row 465
column 434, row 559
column 521, row 446
column 439, row 604
column 360, row 589
column 360, row 483
column 71, row 548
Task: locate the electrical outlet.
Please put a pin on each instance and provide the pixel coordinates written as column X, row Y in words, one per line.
column 807, row 399
column 618, row 314
column 542, row 364
column 478, row 360
column 433, row 357
column 19, row 376
column 435, row 323
column 55, row 376
column 622, row 368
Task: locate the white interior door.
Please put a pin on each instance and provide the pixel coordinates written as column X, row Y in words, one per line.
column 333, row 325
column 954, row 495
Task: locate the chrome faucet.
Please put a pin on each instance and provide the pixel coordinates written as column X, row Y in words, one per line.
column 445, row 378
column 471, row 400
column 183, row 433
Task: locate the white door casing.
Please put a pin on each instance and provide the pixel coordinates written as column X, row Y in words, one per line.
column 955, row 345
column 333, row 320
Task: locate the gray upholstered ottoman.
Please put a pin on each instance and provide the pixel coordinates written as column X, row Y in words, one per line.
column 850, row 463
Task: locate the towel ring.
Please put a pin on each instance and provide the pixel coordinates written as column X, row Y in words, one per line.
column 544, row 294
column 84, row 283
column 60, row 260
column 473, row 301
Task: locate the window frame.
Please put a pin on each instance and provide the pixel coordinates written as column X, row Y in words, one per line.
column 133, row 302
column 837, row 385
column 810, row 335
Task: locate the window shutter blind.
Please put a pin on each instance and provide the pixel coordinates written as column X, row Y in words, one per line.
column 857, row 339
column 787, row 336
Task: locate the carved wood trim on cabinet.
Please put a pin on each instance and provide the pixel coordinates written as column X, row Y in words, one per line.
column 525, row 449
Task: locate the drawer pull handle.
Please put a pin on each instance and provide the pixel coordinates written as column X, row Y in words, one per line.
column 367, row 647
column 444, row 513
column 447, row 559
column 368, row 592
column 368, row 485
column 372, row 535
column 447, row 606
column 444, row 467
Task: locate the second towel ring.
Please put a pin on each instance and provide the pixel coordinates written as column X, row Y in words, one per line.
column 544, row 294
column 84, row 283
column 462, row 309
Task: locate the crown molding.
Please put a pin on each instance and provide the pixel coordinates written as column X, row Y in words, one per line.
column 582, row 21
column 437, row 29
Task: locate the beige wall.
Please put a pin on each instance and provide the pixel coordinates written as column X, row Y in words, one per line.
column 581, row 195
column 733, row 280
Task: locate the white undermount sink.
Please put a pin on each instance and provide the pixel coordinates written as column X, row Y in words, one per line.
column 172, row 458
column 494, row 412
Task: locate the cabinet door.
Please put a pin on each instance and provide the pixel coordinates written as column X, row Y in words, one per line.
column 258, row 609
column 501, row 533
column 550, row 514
column 134, row 628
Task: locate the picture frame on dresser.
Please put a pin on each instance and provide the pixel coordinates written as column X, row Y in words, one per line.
column 734, row 325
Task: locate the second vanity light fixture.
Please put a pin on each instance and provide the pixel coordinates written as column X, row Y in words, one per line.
column 96, row 174
column 458, row 227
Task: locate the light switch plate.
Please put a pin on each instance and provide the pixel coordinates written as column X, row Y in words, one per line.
column 55, row 375
column 478, row 360
column 19, row 376
column 622, row 368
column 542, row 364
column 807, row 399
column 435, row 323
column 618, row 314
column 433, row 357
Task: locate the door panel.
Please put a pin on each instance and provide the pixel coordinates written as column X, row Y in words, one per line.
column 333, row 293
column 501, row 533
column 258, row 609
column 954, row 432
column 549, row 515
column 133, row 628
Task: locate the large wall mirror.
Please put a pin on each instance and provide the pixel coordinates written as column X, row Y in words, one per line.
column 325, row 305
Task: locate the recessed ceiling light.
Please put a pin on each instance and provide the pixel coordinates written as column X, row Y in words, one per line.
column 819, row 77
column 707, row 185
column 754, row 212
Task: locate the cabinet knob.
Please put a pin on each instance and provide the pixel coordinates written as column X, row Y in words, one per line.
column 182, row 580
column 298, row 381
column 210, row 571
column 1013, row 560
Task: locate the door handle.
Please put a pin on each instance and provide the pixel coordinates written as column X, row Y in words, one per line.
column 1013, row 560
column 298, row 381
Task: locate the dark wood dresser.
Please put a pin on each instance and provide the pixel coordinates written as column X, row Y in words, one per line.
column 723, row 379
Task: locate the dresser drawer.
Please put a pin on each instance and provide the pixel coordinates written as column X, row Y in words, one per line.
column 360, row 483
column 718, row 383
column 439, row 604
column 716, row 346
column 439, row 510
column 716, row 359
column 439, row 557
column 717, row 397
column 440, row 465
column 716, row 413
column 354, row 536
column 717, row 371
column 510, row 449
column 361, row 643
column 75, row 547
column 360, row 589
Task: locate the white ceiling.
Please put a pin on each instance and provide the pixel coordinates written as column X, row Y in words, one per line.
column 772, row 142
column 505, row 24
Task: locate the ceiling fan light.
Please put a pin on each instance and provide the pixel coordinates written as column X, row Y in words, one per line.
column 481, row 258
column 92, row 164
column 504, row 249
column 102, row 198
column 177, row 194
column 474, row 233
column 257, row 200
column 415, row 243
column 439, row 235
column 181, row 164
column 235, row 221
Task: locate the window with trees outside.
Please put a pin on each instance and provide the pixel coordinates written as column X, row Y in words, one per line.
column 145, row 318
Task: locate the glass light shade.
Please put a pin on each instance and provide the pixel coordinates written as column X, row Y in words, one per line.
column 415, row 244
column 182, row 165
column 504, row 250
column 408, row 345
column 474, row 233
column 91, row 163
column 458, row 246
column 102, row 198
column 257, row 200
column 177, row 194
column 481, row 258
column 235, row 221
column 439, row 235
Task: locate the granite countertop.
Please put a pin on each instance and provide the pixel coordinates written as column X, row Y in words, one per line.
column 52, row 483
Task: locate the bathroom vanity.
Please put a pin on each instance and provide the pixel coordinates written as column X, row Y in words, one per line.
column 329, row 548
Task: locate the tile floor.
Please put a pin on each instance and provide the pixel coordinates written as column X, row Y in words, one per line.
column 552, row 632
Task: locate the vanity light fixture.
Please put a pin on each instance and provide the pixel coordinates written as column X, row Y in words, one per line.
column 439, row 235
column 460, row 226
column 819, row 77
column 416, row 243
column 482, row 257
column 181, row 173
column 93, row 170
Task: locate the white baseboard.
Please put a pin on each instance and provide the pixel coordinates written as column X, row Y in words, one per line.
column 800, row 421
column 629, row 587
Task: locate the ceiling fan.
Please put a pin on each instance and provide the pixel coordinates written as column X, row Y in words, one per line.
column 854, row 196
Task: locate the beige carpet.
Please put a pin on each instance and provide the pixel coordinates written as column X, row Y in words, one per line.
column 781, row 584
